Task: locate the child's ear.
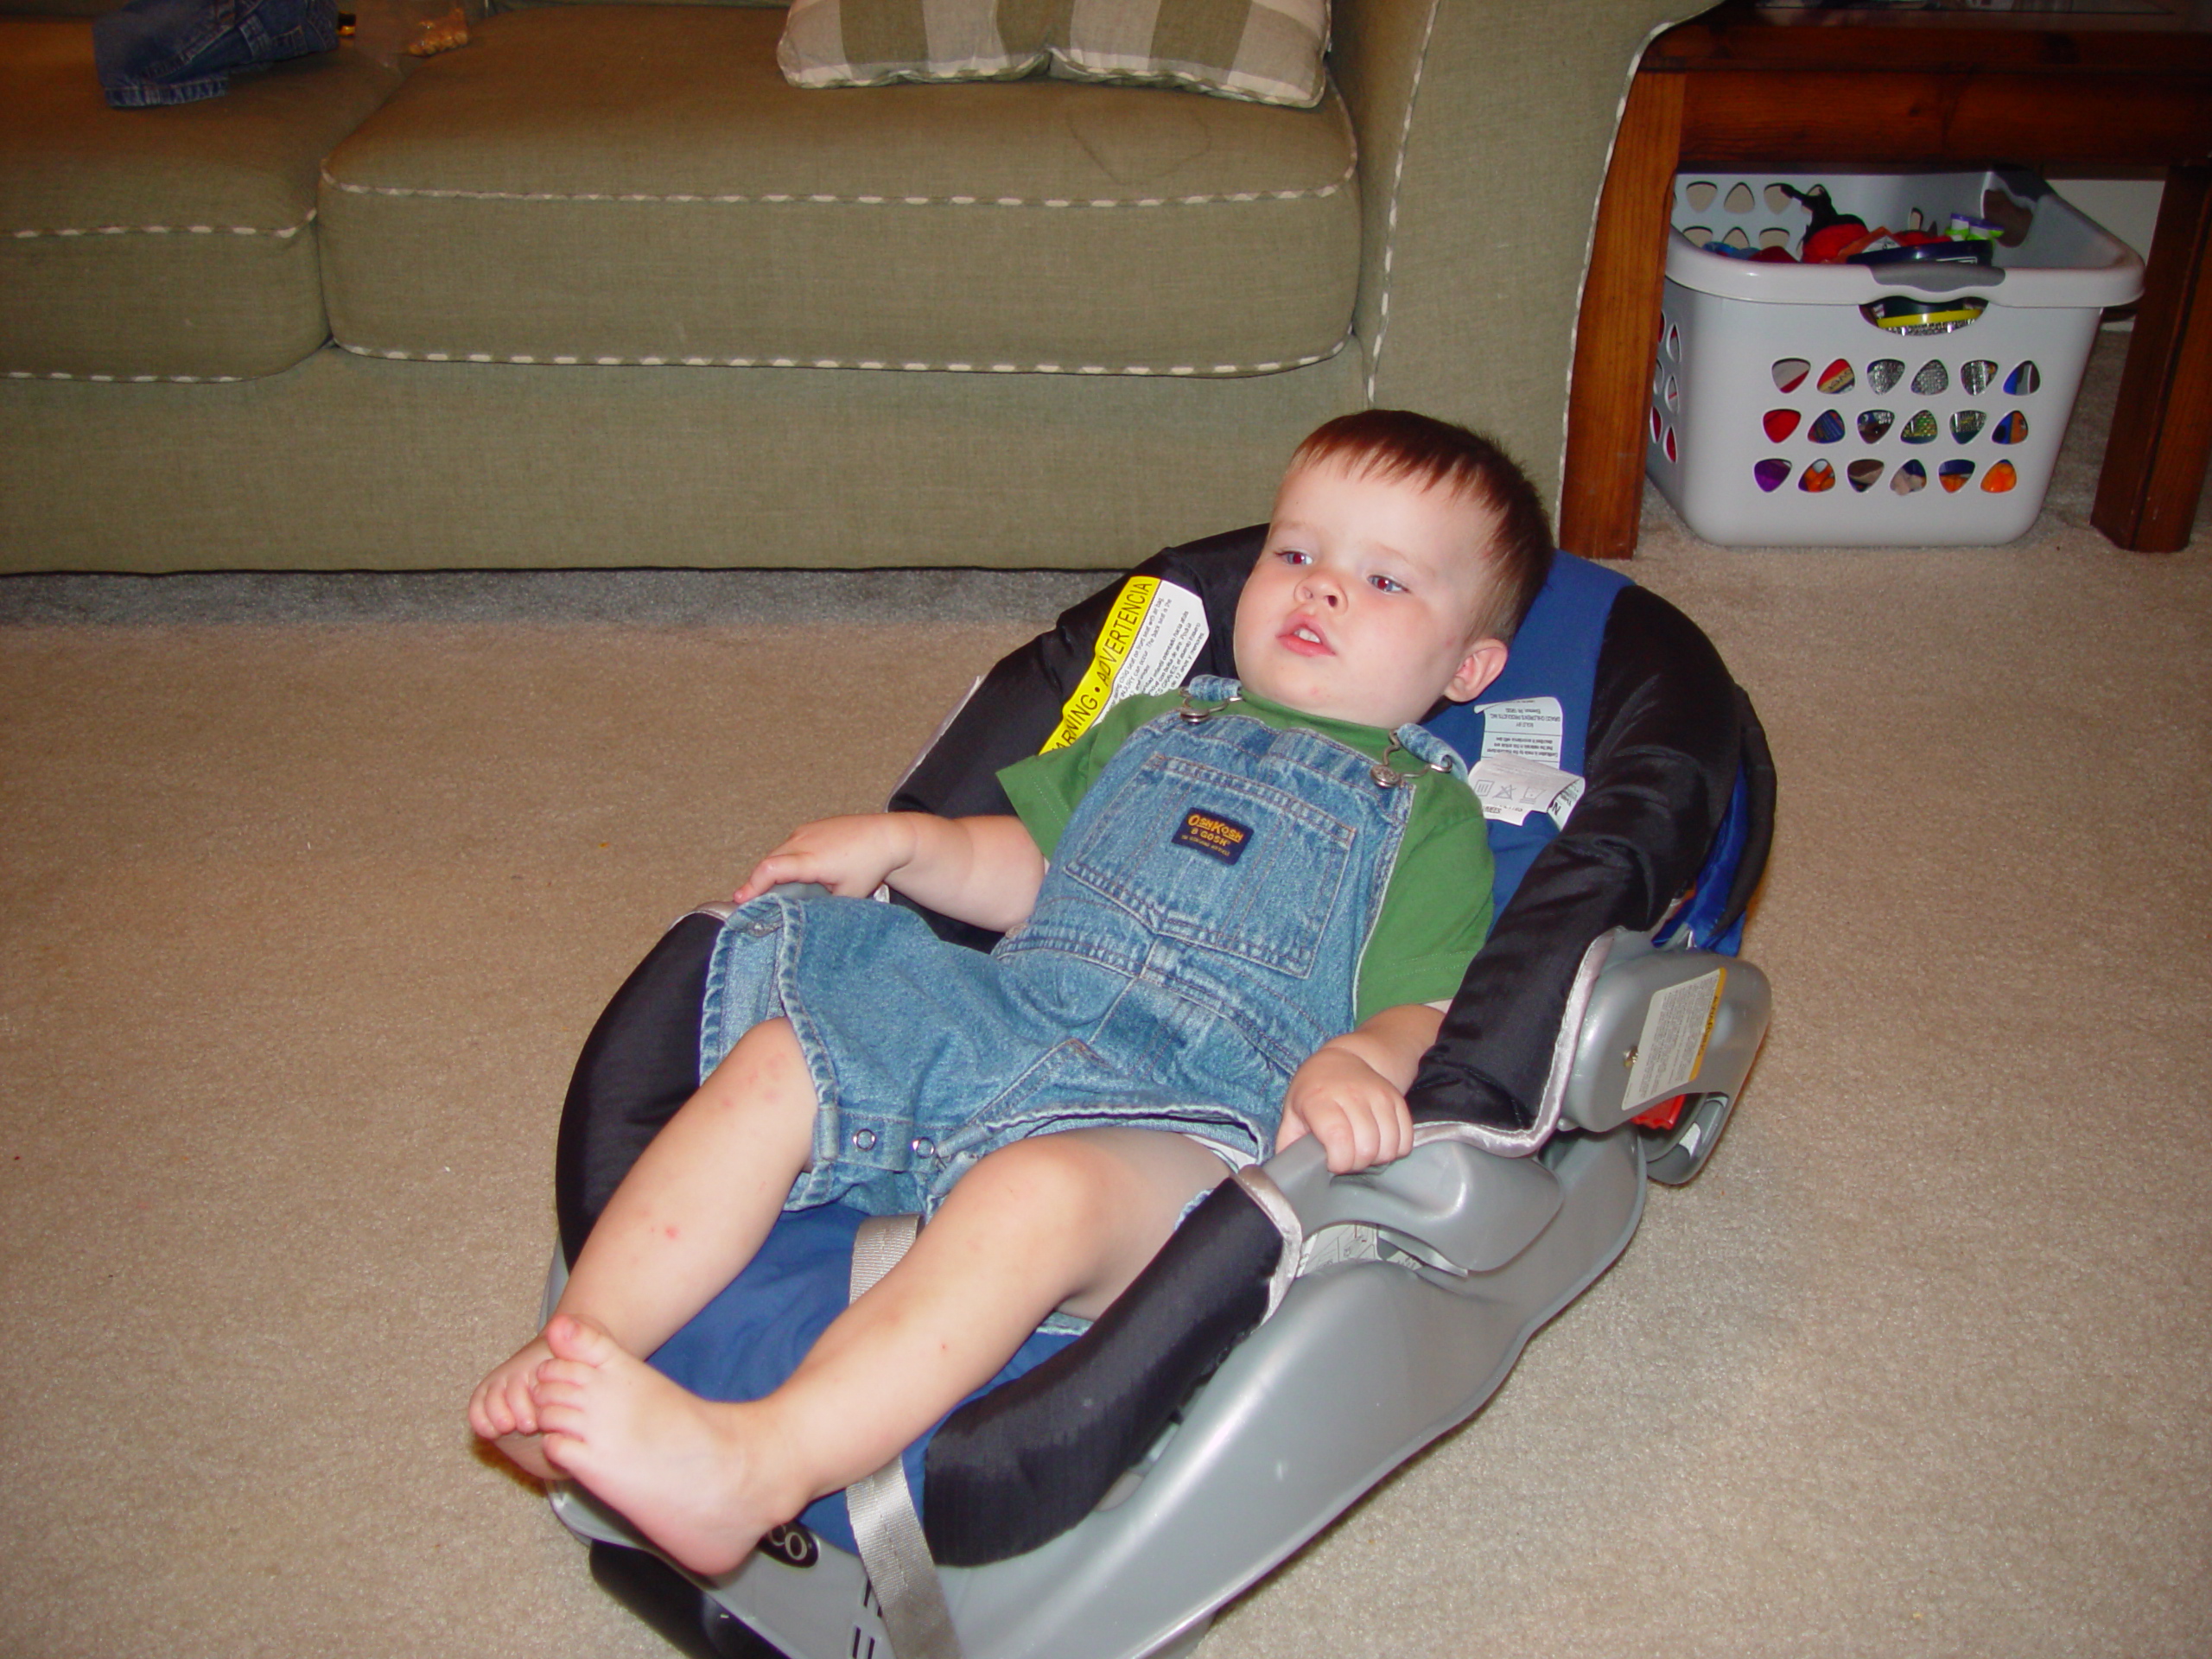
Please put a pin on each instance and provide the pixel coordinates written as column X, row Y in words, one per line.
column 1485, row 662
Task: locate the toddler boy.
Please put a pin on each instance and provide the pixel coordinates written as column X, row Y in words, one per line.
column 1233, row 916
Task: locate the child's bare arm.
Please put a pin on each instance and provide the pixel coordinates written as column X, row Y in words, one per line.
column 1351, row 1093
column 985, row 871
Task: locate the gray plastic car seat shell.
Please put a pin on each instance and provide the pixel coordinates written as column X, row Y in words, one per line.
column 1473, row 1209
column 1392, row 1353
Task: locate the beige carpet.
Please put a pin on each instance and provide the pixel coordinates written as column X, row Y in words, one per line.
column 311, row 887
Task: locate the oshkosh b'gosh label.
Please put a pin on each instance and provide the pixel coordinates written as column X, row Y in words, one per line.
column 1212, row 833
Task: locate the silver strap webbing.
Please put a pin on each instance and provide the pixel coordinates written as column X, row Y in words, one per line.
column 882, row 1507
column 1275, row 1204
column 878, row 1247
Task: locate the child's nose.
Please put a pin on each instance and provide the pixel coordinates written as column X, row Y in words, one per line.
column 1320, row 588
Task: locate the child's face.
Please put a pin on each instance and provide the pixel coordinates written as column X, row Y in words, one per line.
column 1362, row 606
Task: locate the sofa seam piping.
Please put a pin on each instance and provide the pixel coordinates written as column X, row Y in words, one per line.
column 161, row 229
column 790, row 198
column 1390, row 218
column 1178, row 372
column 129, row 380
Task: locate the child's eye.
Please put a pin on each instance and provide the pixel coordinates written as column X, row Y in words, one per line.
column 1385, row 584
column 1293, row 556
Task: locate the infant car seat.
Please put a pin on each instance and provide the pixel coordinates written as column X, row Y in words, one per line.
column 1114, row 1490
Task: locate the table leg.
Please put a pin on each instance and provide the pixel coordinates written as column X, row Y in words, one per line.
column 2162, row 429
column 1601, row 494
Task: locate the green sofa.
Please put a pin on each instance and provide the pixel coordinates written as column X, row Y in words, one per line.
column 601, row 289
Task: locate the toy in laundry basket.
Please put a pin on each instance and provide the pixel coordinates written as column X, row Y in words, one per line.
column 1831, row 231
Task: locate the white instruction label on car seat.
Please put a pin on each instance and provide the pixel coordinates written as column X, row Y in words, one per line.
column 1527, row 728
column 1148, row 643
column 1511, row 788
column 1354, row 1242
column 1676, row 1028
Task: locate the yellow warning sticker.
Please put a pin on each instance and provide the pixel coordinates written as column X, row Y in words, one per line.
column 1148, row 643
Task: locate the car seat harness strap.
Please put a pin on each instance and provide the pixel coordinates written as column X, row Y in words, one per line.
column 885, row 1524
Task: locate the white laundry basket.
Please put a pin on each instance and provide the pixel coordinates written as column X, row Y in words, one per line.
column 1781, row 414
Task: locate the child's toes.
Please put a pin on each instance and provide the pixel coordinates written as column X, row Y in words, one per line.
column 488, row 1414
column 559, row 1378
column 558, row 1450
column 565, row 1415
column 560, row 1396
column 572, row 1338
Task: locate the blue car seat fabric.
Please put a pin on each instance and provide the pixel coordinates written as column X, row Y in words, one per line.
column 1667, row 733
column 1555, row 656
column 1711, row 917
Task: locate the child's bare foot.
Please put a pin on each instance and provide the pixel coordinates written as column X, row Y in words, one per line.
column 527, row 1453
column 681, row 1468
column 503, row 1412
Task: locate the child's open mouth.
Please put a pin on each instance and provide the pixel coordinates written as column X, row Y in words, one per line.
column 1305, row 640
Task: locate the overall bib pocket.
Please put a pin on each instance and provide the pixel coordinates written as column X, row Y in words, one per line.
column 1215, row 860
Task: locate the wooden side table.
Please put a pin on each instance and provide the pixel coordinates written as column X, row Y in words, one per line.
column 2078, row 82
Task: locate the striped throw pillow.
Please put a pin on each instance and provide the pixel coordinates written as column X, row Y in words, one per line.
column 1268, row 51
column 869, row 42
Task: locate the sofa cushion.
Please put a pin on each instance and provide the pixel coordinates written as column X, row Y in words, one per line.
column 176, row 243
column 640, row 185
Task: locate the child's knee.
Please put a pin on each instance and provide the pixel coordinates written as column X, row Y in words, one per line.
column 1111, row 1179
column 766, row 1061
column 1062, row 1176
column 764, row 1081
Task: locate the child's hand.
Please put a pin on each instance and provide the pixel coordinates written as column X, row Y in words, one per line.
column 850, row 856
column 1350, row 1107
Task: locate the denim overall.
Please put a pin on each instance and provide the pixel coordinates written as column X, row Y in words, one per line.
column 1197, row 939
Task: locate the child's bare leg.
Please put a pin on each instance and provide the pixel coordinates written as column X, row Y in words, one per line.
column 1062, row 1221
column 688, row 1214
